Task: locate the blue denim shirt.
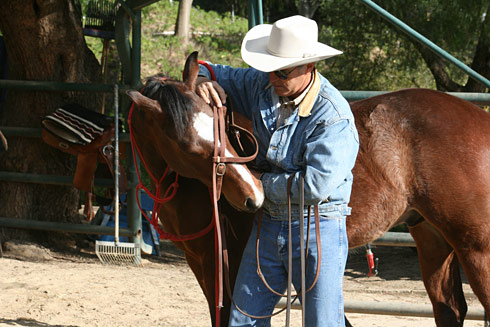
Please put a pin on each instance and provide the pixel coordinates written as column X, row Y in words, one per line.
column 323, row 145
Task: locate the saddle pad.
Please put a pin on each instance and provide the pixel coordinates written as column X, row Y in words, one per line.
column 76, row 124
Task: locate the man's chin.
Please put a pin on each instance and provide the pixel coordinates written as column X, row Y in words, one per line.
column 281, row 91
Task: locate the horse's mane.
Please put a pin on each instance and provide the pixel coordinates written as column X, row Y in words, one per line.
column 171, row 99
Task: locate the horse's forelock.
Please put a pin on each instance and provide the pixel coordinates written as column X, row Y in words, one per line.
column 171, row 100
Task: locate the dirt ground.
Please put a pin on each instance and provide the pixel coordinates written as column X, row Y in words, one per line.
column 42, row 288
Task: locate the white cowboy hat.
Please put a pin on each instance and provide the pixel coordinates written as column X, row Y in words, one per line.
column 290, row 42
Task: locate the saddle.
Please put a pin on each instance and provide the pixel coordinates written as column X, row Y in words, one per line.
column 88, row 135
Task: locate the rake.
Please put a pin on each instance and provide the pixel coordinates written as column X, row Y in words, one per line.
column 117, row 253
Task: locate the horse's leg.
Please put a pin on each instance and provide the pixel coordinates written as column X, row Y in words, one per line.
column 475, row 260
column 440, row 273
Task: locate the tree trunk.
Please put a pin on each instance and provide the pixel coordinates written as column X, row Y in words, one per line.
column 182, row 27
column 45, row 42
column 481, row 59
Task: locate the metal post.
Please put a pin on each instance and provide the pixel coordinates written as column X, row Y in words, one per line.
column 116, row 164
column 134, row 215
column 255, row 16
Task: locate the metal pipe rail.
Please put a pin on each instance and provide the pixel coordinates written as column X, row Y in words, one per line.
column 65, row 227
column 47, row 179
column 478, row 98
column 36, row 132
column 395, row 239
column 482, row 99
column 393, row 308
column 58, row 86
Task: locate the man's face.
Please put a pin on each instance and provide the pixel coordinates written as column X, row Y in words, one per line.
column 296, row 80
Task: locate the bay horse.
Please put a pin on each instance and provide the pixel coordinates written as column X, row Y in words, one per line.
column 424, row 161
column 173, row 127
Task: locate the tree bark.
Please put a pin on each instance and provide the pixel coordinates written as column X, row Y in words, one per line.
column 437, row 66
column 182, row 27
column 45, row 42
column 481, row 59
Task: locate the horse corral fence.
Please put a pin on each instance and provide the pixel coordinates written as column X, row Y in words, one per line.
column 130, row 62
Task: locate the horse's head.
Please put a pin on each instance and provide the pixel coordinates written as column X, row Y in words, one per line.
column 181, row 126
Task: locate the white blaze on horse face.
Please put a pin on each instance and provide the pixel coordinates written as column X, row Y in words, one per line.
column 204, row 127
column 247, row 177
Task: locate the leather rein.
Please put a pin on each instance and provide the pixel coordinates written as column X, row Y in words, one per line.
column 304, row 290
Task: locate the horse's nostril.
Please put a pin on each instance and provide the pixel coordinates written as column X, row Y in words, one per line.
column 252, row 205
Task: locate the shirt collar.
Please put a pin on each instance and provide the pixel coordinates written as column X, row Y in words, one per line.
column 308, row 97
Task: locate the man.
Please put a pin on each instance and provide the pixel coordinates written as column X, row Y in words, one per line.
column 303, row 126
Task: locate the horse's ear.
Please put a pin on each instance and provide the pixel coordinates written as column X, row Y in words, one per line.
column 144, row 102
column 191, row 69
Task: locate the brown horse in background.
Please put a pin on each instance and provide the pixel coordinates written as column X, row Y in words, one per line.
column 424, row 161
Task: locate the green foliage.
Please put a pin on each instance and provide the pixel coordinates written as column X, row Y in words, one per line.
column 216, row 36
column 453, row 25
column 376, row 56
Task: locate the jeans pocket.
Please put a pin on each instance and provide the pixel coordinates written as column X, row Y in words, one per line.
column 331, row 215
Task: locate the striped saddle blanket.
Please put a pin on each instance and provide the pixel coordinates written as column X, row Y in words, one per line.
column 76, row 124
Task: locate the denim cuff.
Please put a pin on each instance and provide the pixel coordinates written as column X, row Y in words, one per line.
column 203, row 71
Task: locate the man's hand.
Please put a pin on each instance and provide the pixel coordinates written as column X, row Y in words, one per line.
column 210, row 91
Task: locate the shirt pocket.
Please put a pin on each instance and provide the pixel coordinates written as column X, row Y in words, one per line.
column 300, row 144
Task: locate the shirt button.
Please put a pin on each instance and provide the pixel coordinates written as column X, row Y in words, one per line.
column 273, row 147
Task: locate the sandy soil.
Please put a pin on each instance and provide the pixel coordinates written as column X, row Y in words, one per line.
column 42, row 288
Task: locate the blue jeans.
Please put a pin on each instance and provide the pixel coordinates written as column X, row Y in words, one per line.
column 324, row 303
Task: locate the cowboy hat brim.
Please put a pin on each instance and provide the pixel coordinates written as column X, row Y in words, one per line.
column 254, row 51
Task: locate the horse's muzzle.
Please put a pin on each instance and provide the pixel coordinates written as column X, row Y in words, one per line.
column 252, row 205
